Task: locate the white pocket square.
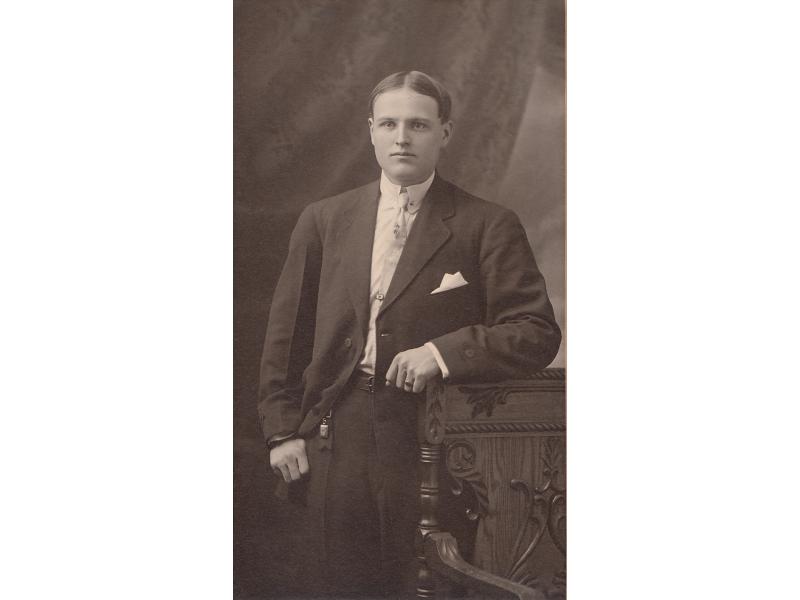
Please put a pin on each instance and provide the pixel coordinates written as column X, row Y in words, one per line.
column 450, row 282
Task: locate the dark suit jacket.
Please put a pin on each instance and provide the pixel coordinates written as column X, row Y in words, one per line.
column 498, row 326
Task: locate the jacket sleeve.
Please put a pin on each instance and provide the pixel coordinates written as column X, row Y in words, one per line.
column 519, row 334
column 290, row 332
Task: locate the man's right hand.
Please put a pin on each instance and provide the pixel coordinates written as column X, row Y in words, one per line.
column 289, row 459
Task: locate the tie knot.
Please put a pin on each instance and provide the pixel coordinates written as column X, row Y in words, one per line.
column 404, row 199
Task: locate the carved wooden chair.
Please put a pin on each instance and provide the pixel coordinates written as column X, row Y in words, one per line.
column 493, row 489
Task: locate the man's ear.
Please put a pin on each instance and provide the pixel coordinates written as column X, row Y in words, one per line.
column 447, row 131
column 371, row 138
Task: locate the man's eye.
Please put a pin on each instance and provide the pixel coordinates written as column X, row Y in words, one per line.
column 420, row 126
column 388, row 124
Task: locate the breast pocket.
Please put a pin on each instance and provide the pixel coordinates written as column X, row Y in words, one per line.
column 450, row 290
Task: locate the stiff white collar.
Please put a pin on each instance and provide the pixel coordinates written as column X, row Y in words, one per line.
column 390, row 191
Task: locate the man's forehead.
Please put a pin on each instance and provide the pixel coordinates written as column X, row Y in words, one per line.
column 405, row 117
column 404, row 101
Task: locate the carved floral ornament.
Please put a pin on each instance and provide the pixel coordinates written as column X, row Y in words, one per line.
column 551, row 517
column 544, row 507
column 460, row 462
column 484, row 399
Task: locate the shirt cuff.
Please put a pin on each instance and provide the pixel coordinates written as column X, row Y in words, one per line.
column 275, row 440
column 439, row 360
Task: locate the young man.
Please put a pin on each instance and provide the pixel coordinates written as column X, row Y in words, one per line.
column 385, row 288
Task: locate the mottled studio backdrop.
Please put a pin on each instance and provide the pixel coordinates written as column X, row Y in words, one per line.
column 303, row 71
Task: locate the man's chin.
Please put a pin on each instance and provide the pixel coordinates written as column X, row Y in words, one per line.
column 410, row 176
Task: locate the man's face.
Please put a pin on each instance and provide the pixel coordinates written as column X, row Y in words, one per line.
column 407, row 134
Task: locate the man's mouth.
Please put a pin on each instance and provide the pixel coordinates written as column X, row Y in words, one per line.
column 402, row 154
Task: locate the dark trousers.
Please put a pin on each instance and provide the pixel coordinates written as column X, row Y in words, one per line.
column 362, row 499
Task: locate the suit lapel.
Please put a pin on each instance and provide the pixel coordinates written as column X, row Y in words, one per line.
column 355, row 238
column 427, row 236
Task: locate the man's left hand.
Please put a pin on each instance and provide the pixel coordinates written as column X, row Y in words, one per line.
column 411, row 370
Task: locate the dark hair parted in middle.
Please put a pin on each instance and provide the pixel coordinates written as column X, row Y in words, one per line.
column 419, row 82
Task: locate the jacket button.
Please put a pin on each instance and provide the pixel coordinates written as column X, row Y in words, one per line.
column 348, row 342
column 469, row 353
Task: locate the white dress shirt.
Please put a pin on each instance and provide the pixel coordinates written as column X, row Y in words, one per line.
column 388, row 206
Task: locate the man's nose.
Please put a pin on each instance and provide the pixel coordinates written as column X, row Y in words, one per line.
column 402, row 136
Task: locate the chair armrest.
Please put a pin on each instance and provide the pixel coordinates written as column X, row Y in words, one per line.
column 443, row 558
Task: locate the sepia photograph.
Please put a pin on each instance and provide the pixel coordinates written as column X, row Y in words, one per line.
column 399, row 299
column 286, row 287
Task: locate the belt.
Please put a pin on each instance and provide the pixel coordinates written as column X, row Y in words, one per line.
column 363, row 381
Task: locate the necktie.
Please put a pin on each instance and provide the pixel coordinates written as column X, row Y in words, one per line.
column 400, row 231
column 401, row 225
